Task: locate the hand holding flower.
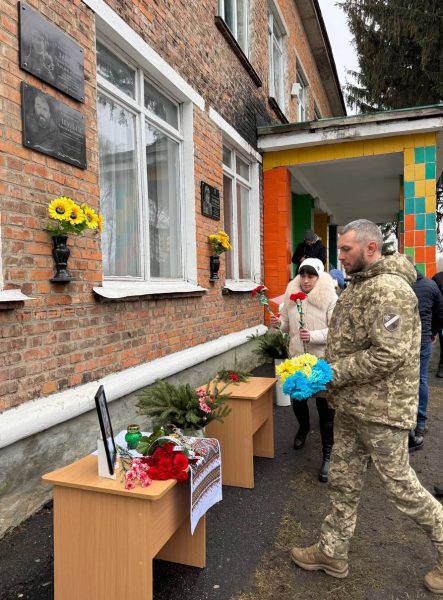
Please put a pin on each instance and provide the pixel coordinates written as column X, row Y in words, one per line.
column 305, row 335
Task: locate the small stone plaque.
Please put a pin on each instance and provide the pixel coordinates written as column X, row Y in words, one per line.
column 50, row 55
column 210, row 201
column 53, row 128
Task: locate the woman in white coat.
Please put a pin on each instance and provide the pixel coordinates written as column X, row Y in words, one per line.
column 317, row 309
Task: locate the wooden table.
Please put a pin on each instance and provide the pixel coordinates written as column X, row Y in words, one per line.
column 105, row 537
column 247, row 431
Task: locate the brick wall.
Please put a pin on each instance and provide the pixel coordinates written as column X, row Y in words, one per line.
column 66, row 336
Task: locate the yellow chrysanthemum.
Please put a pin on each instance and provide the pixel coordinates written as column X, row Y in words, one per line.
column 76, row 215
column 100, row 222
column 303, row 363
column 91, row 216
column 60, row 208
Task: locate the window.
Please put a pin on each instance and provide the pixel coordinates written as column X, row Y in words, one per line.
column 302, row 108
column 276, row 63
column 238, row 215
column 140, row 146
column 317, row 113
column 235, row 15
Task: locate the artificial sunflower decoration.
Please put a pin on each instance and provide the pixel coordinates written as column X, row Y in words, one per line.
column 92, row 218
column 59, row 208
column 71, row 217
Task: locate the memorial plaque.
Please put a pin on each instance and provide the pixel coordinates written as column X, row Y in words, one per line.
column 50, row 55
column 210, row 201
column 53, row 128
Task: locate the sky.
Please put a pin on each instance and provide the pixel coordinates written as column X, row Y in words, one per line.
column 341, row 40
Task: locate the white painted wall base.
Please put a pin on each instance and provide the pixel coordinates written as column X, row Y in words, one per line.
column 40, row 414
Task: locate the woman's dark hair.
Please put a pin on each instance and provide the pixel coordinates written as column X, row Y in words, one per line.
column 308, row 270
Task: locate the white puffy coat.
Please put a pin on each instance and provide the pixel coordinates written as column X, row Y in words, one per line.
column 317, row 309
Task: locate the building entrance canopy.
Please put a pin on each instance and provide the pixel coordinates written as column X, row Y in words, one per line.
column 381, row 166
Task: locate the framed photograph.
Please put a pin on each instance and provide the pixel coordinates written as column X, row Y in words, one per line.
column 106, row 428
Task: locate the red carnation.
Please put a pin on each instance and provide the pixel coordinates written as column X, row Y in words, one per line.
column 180, row 461
column 298, row 296
column 182, row 476
column 233, row 376
column 257, row 290
column 168, row 448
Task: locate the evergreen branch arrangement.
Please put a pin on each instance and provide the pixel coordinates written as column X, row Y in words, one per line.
column 183, row 407
column 273, row 344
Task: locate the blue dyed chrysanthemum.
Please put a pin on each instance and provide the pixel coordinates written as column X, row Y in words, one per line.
column 301, row 387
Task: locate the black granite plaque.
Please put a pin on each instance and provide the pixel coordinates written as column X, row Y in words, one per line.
column 51, row 127
column 49, row 54
column 210, row 200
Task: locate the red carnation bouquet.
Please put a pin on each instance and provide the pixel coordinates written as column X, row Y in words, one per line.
column 163, row 457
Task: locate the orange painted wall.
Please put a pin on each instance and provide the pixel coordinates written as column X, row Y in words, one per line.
column 277, row 230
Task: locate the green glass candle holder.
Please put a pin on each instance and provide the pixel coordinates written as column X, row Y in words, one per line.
column 132, row 437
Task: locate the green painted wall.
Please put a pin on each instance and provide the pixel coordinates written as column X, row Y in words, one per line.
column 302, row 218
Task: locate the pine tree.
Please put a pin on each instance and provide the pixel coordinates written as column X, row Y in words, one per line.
column 399, row 44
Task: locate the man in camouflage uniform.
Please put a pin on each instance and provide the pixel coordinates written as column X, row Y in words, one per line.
column 374, row 348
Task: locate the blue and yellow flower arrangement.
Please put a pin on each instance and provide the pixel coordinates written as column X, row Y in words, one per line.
column 304, row 376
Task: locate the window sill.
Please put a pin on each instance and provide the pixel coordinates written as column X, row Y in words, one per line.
column 276, row 108
column 159, row 291
column 10, row 299
column 238, row 287
column 227, row 34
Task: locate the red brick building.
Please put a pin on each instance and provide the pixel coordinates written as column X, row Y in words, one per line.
column 173, row 94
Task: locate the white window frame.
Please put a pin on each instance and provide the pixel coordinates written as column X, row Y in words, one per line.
column 234, row 31
column 276, row 21
column 142, row 117
column 302, row 100
column 233, row 140
column 112, row 29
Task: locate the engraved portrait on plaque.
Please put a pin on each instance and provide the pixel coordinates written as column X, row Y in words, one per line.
column 53, row 128
column 210, row 201
column 49, row 54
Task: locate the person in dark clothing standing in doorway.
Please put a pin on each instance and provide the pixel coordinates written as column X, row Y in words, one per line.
column 430, row 307
column 438, row 278
column 311, row 247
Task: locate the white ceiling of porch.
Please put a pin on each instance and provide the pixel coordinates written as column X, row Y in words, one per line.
column 354, row 188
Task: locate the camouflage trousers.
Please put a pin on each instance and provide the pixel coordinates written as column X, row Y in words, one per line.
column 355, row 441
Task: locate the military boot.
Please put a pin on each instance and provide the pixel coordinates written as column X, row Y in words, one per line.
column 415, row 442
column 313, row 559
column 434, row 579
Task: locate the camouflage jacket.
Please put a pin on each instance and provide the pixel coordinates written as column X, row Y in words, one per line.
column 374, row 345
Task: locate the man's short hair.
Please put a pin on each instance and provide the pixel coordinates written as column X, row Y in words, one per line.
column 365, row 231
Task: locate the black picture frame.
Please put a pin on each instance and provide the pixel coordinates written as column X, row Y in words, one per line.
column 104, row 419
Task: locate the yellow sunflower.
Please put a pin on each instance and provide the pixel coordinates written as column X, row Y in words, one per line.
column 100, row 222
column 60, row 208
column 76, row 215
column 91, row 217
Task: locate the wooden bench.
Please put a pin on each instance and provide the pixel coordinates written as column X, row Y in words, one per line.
column 105, row 537
column 247, row 431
